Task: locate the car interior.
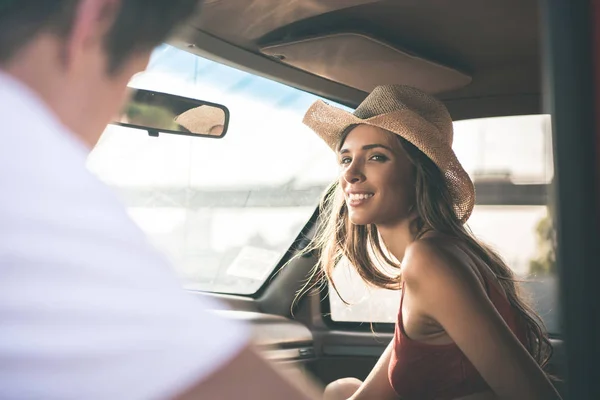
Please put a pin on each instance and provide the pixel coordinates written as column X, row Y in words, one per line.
column 234, row 213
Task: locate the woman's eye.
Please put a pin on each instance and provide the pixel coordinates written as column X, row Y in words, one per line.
column 379, row 157
column 345, row 160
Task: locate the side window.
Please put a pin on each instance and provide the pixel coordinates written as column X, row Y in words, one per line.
column 510, row 161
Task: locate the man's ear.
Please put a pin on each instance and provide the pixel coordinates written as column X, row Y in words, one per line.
column 92, row 21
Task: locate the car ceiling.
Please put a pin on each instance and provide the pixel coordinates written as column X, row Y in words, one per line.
column 496, row 44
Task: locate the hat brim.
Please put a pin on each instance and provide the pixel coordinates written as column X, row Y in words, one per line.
column 330, row 122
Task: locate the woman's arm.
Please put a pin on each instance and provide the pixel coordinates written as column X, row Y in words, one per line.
column 447, row 290
column 377, row 385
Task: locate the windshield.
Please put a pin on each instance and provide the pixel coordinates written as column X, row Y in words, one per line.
column 224, row 211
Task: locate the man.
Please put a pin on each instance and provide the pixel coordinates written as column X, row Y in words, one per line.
column 88, row 309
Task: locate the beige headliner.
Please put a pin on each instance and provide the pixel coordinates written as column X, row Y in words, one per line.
column 494, row 42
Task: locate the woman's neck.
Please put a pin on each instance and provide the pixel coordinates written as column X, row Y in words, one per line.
column 398, row 237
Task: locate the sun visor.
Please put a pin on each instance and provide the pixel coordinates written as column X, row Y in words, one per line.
column 361, row 62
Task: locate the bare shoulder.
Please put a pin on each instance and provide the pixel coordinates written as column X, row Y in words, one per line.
column 432, row 255
column 438, row 260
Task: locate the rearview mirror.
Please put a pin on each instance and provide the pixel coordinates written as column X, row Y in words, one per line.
column 158, row 112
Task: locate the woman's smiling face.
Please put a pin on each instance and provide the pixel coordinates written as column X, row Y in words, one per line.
column 376, row 176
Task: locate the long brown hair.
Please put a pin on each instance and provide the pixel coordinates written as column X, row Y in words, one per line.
column 337, row 238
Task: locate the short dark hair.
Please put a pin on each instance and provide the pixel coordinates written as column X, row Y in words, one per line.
column 139, row 24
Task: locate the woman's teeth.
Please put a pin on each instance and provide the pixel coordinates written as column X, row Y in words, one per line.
column 360, row 196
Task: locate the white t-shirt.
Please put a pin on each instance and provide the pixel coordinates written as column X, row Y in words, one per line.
column 88, row 308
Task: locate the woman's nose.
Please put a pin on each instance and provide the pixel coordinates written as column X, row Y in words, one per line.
column 354, row 174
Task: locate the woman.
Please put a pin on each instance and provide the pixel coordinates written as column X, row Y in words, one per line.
column 462, row 332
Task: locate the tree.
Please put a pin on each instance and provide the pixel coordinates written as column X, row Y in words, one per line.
column 545, row 262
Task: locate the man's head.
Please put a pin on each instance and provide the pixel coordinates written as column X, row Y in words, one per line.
column 79, row 55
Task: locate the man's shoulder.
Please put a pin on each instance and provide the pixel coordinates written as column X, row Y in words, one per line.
column 54, row 210
column 43, row 170
column 84, row 297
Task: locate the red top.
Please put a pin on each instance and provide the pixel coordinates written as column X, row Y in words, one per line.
column 425, row 371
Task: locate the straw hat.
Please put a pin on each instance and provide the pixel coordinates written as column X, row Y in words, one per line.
column 415, row 116
column 201, row 120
